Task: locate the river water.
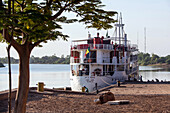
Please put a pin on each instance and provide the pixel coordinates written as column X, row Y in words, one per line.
column 57, row 75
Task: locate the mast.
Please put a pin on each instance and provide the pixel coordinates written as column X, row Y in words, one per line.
column 145, row 39
column 116, row 28
column 138, row 39
column 119, row 31
column 121, row 24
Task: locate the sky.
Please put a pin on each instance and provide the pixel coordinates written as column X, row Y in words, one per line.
column 154, row 15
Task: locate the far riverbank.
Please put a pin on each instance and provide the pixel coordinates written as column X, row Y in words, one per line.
column 163, row 65
column 2, row 65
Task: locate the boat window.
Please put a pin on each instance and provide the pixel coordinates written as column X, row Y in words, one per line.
column 111, row 56
column 76, row 56
column 120, row 67
column 93, row 56
column 75, row 70
column 85, row 70
column 108, row 70
column 111, row 69
column 104, row 69
column 80, row 70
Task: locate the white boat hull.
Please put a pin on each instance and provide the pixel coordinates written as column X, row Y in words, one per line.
column 77, row 82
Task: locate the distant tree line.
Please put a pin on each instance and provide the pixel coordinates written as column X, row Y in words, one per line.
column 147, row 59
column 143, row 59
column 5, row 60
column 43, row 60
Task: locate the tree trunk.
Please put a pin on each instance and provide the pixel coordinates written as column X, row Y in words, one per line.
column 23, row 83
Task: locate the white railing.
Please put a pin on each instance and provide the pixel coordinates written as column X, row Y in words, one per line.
column 85, row 60
column 102, row 46
column 94, row 60
column 106, row 59
column 75, row 60
column 94, row 46
column 132, row 47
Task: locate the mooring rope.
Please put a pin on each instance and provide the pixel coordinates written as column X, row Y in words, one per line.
column 106, row 82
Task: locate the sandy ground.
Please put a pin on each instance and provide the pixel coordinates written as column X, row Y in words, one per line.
column 143, row 98
column 142, row 89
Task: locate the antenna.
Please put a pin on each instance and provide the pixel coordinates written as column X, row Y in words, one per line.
column 116, row 27
column 145, row 38
column 138, row 39
column 121, row 23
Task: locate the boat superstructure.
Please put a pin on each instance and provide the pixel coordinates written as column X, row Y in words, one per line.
column 109, row 59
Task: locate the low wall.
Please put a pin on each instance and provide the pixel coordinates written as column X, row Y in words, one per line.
column 4, row 94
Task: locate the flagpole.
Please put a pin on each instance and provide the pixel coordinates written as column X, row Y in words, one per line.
column 89, row 63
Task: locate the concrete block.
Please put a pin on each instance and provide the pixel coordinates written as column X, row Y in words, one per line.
column 118, row 102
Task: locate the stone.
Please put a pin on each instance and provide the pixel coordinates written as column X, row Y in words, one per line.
column 109, row 96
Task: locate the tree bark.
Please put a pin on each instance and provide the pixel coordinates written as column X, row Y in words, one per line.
column 23, row 83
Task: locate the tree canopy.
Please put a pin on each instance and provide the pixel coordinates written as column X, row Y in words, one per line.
column 147, row 59
column 37, row 22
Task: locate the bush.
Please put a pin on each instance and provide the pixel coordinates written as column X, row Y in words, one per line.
column 168, row 61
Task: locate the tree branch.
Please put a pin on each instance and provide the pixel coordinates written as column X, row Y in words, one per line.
column 10, row 40
column 23, row 2
column 58, row 3
column 58, row 13
column 63, row 8
column 49, row 3
column 18, row 3
column 36, row 44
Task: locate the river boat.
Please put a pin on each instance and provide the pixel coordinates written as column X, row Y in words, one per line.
column 97, row 62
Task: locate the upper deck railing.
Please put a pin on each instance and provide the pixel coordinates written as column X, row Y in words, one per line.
column 93, row 46
column 103, row 60
column 104, row 47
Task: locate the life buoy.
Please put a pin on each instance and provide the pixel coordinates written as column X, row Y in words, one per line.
column 89, row 60
column 97, row 71
column 93, row 73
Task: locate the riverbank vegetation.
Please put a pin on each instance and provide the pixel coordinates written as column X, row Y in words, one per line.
column 50, row 60
column 43, row 60
column 153, row 59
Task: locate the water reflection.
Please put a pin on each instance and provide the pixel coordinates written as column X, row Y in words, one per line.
column 151, row 73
